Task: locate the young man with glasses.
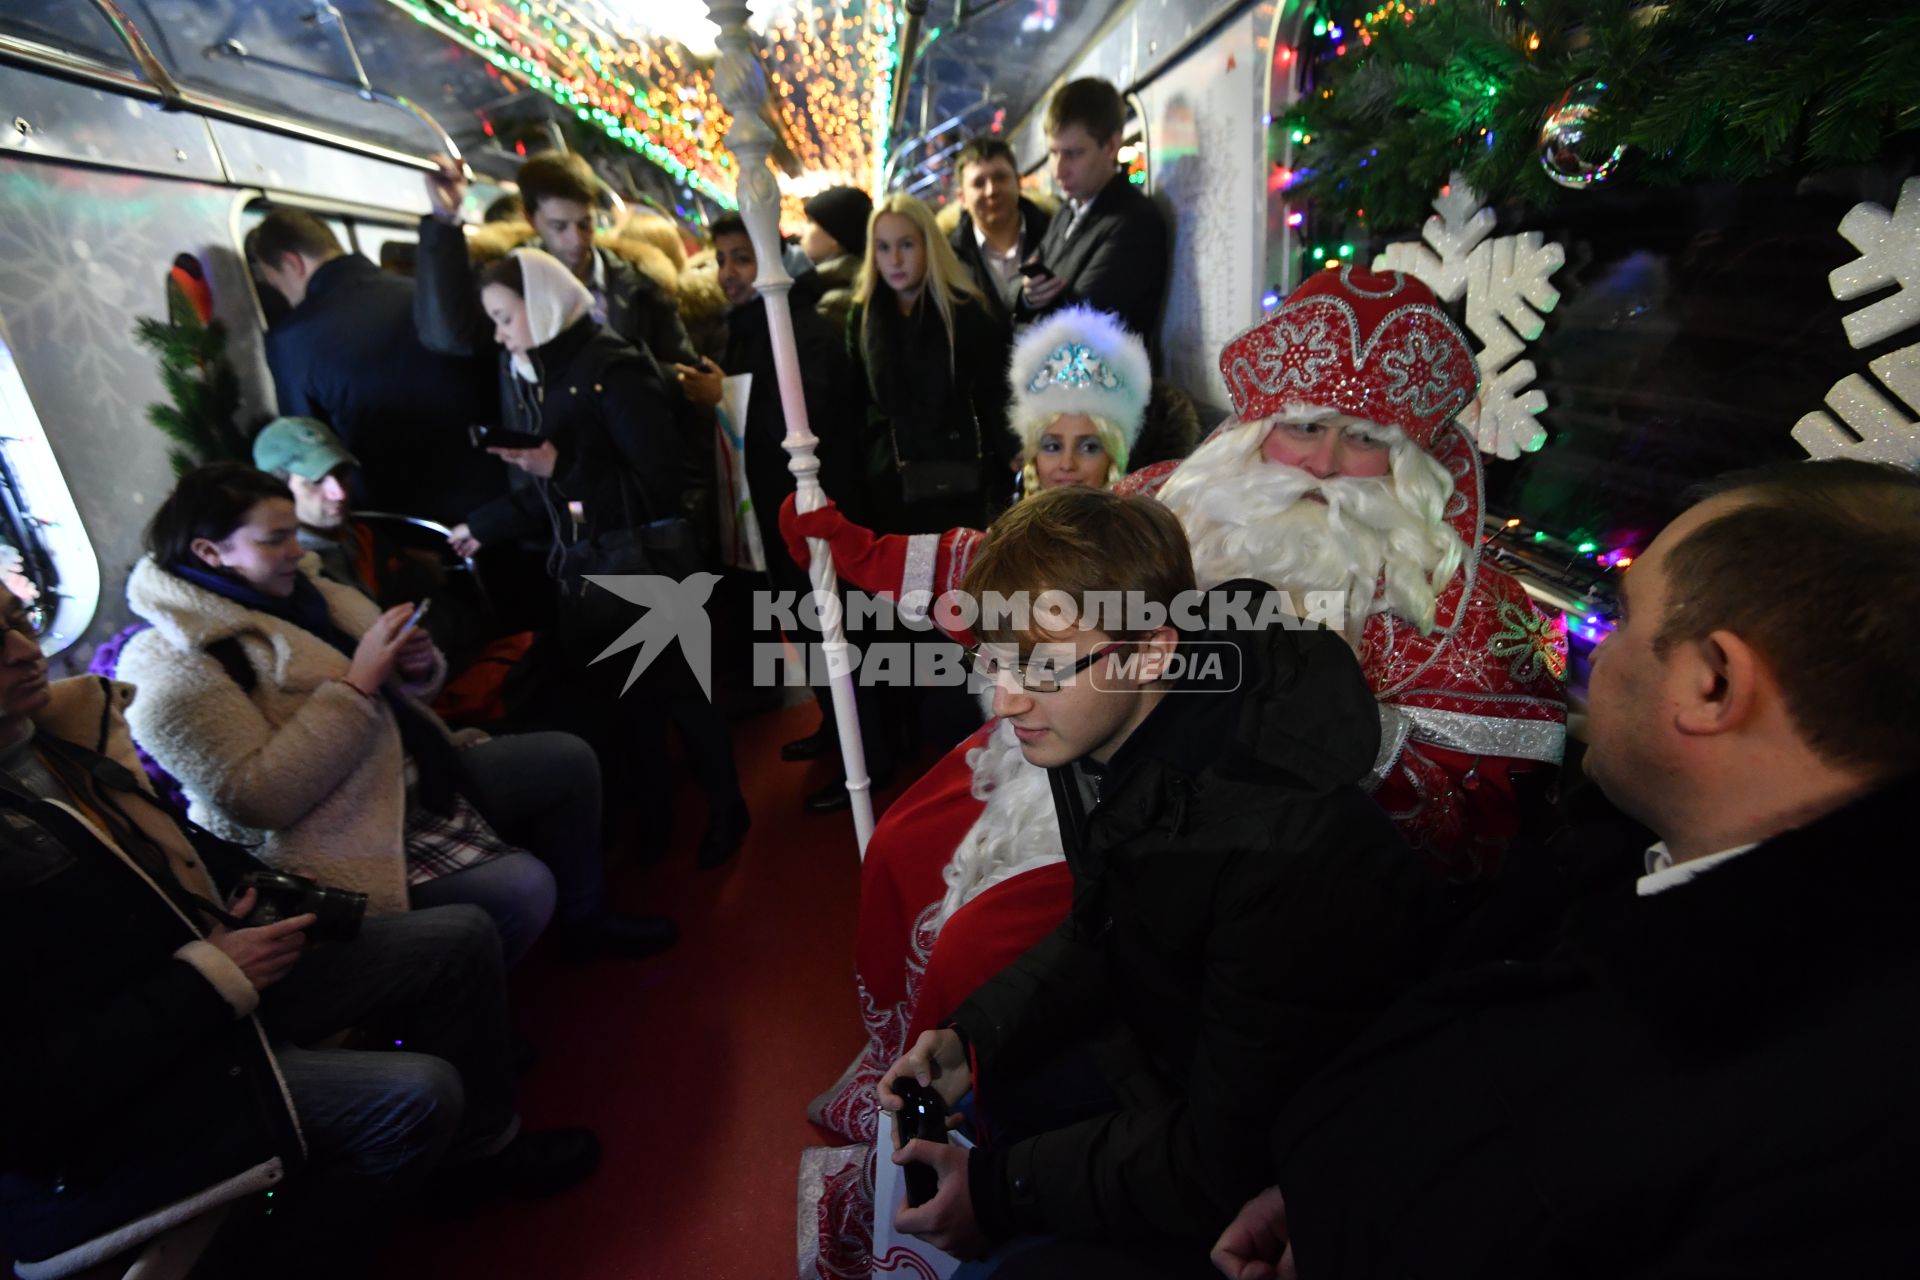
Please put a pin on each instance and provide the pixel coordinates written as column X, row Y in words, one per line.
column 1241, row 908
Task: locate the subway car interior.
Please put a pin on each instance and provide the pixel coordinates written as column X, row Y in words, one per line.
column 511, row 767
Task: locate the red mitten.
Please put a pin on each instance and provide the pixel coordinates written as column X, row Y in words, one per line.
column 872, row 562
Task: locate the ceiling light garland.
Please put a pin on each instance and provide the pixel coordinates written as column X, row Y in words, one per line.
column 829, row 69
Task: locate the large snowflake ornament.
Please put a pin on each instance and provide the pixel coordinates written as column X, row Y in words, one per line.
column 1870, row 425
column 1505, row 284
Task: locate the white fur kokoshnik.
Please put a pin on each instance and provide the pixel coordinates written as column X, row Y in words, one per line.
column 1078, row 361
column 555, row 301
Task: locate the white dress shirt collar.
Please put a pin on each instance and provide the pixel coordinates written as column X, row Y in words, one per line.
column 1664, row 873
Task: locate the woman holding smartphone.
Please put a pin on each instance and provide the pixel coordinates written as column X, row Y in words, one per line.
column 606, row 460
column 293, row 712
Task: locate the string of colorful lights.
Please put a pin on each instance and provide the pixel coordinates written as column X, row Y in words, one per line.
column 829, row 68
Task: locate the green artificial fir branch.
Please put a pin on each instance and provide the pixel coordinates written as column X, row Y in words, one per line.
column 203, row 391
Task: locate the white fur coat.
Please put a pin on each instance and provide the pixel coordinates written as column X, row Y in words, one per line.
column 304, row 767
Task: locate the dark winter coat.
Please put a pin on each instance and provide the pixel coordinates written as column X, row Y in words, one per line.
column 135, row 1079
column 605, row 406
column 1034, row 222
column 640, row 311
column 931, row 402
column 826, row 383
column 1116, row 260
column 350, row 356
column 601, row 400
column 1714, row 1080
column 1242, row 909
column 828, row 290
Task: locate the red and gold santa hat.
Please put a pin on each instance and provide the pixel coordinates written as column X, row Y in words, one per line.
column 1371, row 345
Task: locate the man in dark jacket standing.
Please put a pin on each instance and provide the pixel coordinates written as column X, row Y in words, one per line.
column 1001, row 228
column 1241, row 908
column 347, row 354
column 1107, row 247
column 158, row 1061
column 1708, row 1068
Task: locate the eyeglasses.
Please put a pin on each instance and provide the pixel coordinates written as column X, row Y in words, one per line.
column 1042, row 674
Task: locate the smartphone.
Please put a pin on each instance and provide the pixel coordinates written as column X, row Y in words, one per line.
column 413, row 619
column 924, row 1116
column 485, row 437
column 1035, row 270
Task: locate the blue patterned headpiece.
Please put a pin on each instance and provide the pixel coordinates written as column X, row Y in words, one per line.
column 1077, row 360
column 1074, row 365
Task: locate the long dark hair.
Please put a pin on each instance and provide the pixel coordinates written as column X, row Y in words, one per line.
column 209, row 502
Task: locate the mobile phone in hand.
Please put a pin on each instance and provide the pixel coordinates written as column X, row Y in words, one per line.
column 484, row 437
column 923, row 1115
column 413, row 619
column 1036, row 270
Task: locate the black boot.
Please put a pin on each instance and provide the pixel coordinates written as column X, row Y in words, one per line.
column 813, row 746
column 726, row 831
column 542, row 1162
column 608, row 934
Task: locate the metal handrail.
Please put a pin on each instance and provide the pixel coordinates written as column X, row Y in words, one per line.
column 951, row 123
column 143, row 55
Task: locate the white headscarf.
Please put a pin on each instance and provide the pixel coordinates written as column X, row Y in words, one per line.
column 555, row 301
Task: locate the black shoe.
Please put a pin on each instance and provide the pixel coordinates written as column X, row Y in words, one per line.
column 608, row 934
column 537, row 1163
column 525, row 1053
column 831, row 798
column 725, row 833
column 812, row 747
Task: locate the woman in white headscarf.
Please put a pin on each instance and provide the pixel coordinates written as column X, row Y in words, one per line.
column 608, row 459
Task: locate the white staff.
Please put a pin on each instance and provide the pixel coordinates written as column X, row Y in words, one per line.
column 742, row 85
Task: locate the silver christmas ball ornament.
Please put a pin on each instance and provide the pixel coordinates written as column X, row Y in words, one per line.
column 1564, row 152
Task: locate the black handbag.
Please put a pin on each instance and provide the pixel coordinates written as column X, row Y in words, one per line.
column 591, row 617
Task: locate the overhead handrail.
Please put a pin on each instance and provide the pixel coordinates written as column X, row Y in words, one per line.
column 960, row 121
column 143, row 55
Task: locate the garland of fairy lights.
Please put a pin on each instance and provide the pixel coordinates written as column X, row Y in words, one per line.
column 829, row 69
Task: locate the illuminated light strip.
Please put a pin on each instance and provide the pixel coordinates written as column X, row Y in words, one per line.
column 653, row 98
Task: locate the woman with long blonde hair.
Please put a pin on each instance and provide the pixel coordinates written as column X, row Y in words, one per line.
column 933, row 358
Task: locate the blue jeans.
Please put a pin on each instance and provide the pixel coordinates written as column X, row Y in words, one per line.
column 517, row 891
column 431, row 983
column 542, row 792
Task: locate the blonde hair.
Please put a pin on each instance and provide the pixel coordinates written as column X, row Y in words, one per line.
column 947, row 282
column 1112, row 439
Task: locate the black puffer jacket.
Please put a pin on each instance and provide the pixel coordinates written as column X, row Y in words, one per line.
column 1241, row 910
column 933, row 402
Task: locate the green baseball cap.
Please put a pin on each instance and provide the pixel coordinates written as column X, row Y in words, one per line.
column 302, row 447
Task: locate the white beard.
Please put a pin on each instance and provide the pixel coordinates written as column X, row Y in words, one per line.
column 1017, row 831
column 1382, row 542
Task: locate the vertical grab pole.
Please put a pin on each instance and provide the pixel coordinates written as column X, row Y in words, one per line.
column 742, row 86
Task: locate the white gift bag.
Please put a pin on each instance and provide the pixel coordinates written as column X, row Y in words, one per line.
column 895, row 1255
column 739, row 531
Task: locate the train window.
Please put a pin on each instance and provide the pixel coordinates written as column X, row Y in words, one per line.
column 46, row 557
column 272, row 305
column 61, row 24
column 391, row 247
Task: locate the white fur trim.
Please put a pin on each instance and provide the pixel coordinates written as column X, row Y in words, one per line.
column 1123, row 353
column 1017, row 831
column 303, row 766
column 218, row 968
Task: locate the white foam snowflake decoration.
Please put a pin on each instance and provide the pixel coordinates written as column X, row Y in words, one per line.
column 1504, row 281
column 1870, row 425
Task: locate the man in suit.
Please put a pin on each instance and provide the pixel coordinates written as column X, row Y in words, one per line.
column 1108, row 245
column 1001, row 228
column 347, row 353
column 1704, row 1064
